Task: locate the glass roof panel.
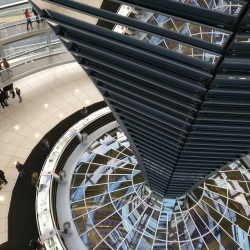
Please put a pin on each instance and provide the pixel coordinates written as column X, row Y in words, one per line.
column 110, row 201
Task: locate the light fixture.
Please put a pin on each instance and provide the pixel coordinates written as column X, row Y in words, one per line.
column 87, row 101
column 76, row 90
column 1, row 198
column 242, row 78
column 36, row 135
column 16, row 127
column 46, row 105
column 15, row 162
column 61, row 115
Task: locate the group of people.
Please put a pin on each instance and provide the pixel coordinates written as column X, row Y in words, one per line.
column 4, row 95
column 28, row 18
column 20, row 167
column 45, row 146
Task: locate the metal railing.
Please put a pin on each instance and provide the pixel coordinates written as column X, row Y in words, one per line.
column 8, row 3
column 33, row 65
column 19, row 27
column 32, row 56
column 13, row 15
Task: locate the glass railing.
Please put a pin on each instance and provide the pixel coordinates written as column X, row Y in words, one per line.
column 14, row 15
column 34, row 52
column 9, row 2
column 34, row 64
column 19, row 27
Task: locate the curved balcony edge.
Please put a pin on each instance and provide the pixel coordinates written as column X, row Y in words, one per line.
column 47, row 226
column 34, row 65
column 17, row 30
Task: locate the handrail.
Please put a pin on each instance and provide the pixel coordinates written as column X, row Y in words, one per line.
column 13, row 3
column 21, row 53
column 44, row 211
column 12, row 30
column 8, row 19
column 34, row 64
column 15, row 10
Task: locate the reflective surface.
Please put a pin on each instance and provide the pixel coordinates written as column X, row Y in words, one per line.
column 112, row 207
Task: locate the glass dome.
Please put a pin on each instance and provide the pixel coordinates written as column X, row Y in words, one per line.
column 112, row 208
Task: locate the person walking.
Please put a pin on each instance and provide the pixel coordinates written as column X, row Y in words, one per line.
column 34, row 179
column 45, row 146
column 2, row 177
column 6, row 66
column 84, row 112
column 20, row 169
column 3, row 100
column 18, row 92
column 28, row 18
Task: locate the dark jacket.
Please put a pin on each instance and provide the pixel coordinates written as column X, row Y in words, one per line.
column 35, row 244
column 84, row 112
column 1, row 174
column 19, row 167
column 2, row 98
column 45, row 145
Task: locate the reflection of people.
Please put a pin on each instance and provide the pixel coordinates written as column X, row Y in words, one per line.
column 45, row 146
column 36, row 244
column 84, row 112
column 28, row 18
column 34, row 179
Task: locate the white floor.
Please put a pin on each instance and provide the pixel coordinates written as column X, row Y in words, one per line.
column 65, row 89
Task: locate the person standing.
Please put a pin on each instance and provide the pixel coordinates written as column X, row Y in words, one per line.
column 6, row 66
column 28, row 18
column 37, row 16
column 36, row 244
column 34, row 179
column 84, row 112
column 1, row 69
column 3, row 100
column 2, row 177
column 20, row 169
column 6, row 91
column 45, row 146
column 12, row 90
column 18, row 92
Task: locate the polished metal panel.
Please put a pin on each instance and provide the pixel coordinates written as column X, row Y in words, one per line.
column 177, row 82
